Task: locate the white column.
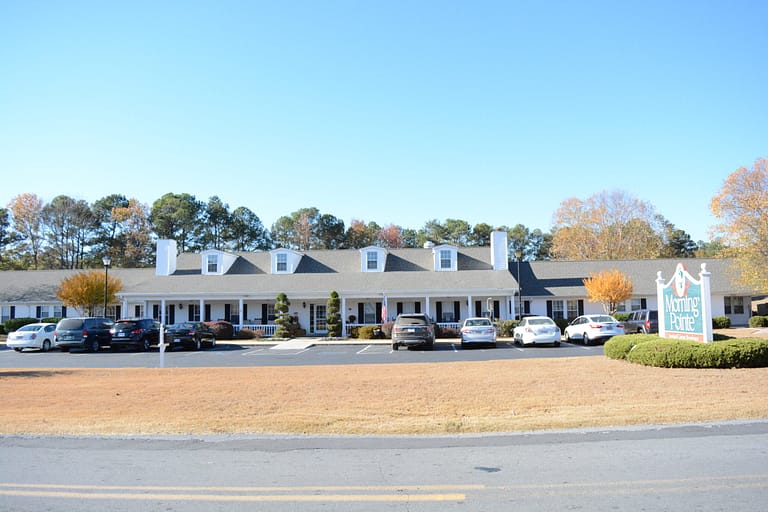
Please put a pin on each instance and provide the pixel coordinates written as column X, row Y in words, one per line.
column 240, row 312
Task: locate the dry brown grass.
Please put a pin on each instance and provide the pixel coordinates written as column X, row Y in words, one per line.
column 496, row 396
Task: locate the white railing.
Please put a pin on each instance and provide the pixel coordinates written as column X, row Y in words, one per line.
column 454, row 325
column 268, row 330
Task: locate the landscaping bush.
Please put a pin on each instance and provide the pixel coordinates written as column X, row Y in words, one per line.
column 562, row 323
column 249, row 334
column 386, row 329
column 721, row 322
column 671, row 353
column 622, row 317
column 619, row 346
column 758, row 321
column 505, row 328
column 14, row 323
column 365, row 332
column 447, row 332
column 222, row 329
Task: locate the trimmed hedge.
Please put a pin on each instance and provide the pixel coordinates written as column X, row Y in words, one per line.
column 758, row 321
column 650, row 350
column 721, row 322
column 505, row 328
column 15, row 323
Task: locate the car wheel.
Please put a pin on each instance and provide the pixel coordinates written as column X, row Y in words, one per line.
column 64, row 349
column 198, row 344
column 146, row 345
column 95, row 346
column 17, row 349
column 557, row 343
column 585, row 339
column 46, row 345
column 213, row 342
column 395, row 346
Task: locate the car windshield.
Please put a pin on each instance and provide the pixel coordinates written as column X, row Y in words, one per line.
column 540, row 321
column 478, row 322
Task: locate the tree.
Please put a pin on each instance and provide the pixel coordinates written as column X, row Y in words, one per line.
column 328, row 233
column 457, row 232
column 677, row 243
column 27, row 212
column 359, row 234
column 606, row 226
column 176, row 217
column 742, row 208
column 609, row 288
column 135, row 236
column 85, row 291
column 391, row 237
column 332, row 317
column 282, row 317
column 109, row 233
column 247, row 232
column 7, row 238
column 214, row 230
column 70, row 225
column 481, row 235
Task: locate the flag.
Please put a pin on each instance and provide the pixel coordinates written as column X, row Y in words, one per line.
column 384, row 311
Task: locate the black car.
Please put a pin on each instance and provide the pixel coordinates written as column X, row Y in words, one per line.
column 90, row 333
column 191, row 335
column 413, row 330
column 142, row 333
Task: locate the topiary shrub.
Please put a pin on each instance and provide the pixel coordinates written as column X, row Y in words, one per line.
column 721, row 322
column 758, row 321
column 222, row 329
column 14, row 323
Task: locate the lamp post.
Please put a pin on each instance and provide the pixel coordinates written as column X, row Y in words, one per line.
column 519, row 256
column 107, row 261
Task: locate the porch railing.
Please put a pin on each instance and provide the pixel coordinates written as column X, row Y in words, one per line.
column 268, row 330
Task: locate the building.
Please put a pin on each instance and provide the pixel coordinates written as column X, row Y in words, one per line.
column 375, row 284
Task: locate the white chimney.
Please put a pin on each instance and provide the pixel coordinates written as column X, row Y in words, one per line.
column 165, row 261
column 499, row 250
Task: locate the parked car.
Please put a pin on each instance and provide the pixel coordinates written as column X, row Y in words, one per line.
column 413, row 330
column 478, row 330
column 589, row 328
column 90, row 333
column 642, row 321
column 141, row 333
column 37, row 335
column 537, row 329
column 190, row 335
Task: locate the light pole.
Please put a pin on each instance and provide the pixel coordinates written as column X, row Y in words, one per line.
column 519, row 256
column 107, row 261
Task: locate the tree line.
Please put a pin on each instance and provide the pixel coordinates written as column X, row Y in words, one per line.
column 71, row 234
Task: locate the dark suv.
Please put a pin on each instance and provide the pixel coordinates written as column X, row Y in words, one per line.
column 90, row 333
column 412, row 330
column 142, row 333
column 642, row 321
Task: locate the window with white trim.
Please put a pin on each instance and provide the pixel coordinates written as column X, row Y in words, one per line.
column 212, row 263
column 734, row 305
column 372, row 258
column 637, row 304
column 282, row 262
column 557, row 310
column 573, row 308
column 445, row 259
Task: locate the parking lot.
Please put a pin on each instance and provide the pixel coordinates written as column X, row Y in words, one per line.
column 294, row 353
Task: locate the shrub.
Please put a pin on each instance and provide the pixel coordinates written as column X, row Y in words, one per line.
column 51, row 320
column 721, row 322
column 562, row 323
column 249, row 334
column 671, row 353
column 366, row 332
column 14, row 323
column 222, row 329
column 622, row 317
column 505, row 328
column 386, row 329
column 758, row 321
column 447, row 332
column 619, row 346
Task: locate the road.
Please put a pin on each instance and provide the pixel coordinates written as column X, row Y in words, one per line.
column 230, row 354
column 683, row 468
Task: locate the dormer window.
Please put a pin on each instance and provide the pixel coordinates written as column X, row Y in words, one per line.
column 282, row 262
column 445, row 258
column 373, row 260
column 213, row 264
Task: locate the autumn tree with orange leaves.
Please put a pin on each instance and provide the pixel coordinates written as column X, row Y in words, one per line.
column 84, row 291
column 742, row 208
column 609, row 288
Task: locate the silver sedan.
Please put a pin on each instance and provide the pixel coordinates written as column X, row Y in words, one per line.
column 478, row 330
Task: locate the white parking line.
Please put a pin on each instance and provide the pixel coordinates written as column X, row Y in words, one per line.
column 363, row 349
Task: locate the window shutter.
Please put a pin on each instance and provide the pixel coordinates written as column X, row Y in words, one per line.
column 190, row 313
column 172, row 314
column 417, row 307
column 137, row 311
column 156, row 312
column 360, row 313
column 117, row 312
column 439, row 311
column 378, row 312
column 549, row 308
column 496, row 309
column 456, row 310
column 13, row 311
column 207, row 313
column 227, row 312
column 399, row 308
column 245, row 313
column 581, row 307
column 38, row 311
column 63, row 311
column 478, row 308
column 264, row 319
column 643, row 303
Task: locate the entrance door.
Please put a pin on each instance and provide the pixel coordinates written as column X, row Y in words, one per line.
column 317, row 320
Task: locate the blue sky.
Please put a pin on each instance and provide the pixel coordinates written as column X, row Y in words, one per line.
column 390, row 111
